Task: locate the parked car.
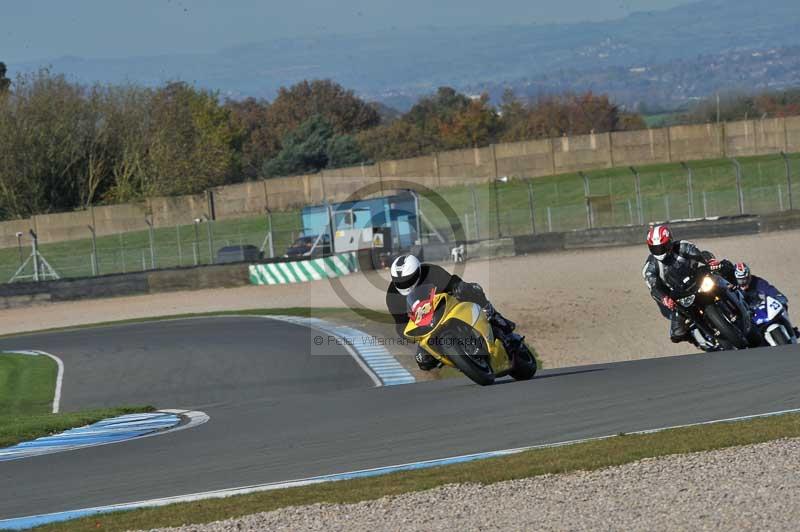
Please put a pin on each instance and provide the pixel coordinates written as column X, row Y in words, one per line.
column 245, row 253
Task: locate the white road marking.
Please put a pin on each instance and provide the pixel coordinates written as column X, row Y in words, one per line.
column 59, row 374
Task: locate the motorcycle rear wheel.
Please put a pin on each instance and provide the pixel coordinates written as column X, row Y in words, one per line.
column 730, row 334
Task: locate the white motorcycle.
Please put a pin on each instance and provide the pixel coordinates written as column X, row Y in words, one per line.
column 772, row 323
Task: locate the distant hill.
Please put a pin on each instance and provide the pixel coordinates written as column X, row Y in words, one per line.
column 698, row 46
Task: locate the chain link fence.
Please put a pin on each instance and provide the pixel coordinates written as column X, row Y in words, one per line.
column 624, row 196
column 509, row 206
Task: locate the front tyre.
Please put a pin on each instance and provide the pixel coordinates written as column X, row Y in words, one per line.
column 468, row 354
column 730, row 335
column 524, row 363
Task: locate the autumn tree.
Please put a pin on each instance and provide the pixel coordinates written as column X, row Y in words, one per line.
column 568, row 114
column 250, row 119
column 5, row 83
column 45, row 129
column 128, row 113
column 733, row 106
column 398, row 140
column 341, row 108
column 445, row 120
column 191, row 141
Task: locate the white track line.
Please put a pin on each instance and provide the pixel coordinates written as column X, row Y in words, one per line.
column 344, row 343
column 59, row 374
column 59, row 381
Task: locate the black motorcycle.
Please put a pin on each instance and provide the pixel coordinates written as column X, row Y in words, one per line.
column 715, row 312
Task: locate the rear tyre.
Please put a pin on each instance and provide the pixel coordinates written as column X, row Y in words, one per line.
column 730, row 335
column 524, row 364
column 471, row 360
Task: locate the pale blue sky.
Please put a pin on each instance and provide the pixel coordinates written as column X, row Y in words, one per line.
column 41, row 29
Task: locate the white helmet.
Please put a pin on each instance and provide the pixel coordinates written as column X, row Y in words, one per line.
column 406, row 270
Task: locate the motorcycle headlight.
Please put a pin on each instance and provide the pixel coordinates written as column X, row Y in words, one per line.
column 687, row 301
column 707, row 285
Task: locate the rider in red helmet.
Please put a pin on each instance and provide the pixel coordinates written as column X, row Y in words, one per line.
column 666, row 253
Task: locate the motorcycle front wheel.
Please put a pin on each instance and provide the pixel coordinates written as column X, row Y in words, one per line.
column 524, row 364
column 467, row 352
column 729, row 333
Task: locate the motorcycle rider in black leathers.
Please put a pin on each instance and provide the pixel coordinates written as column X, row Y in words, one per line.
column 665, row 252
column 408, row 272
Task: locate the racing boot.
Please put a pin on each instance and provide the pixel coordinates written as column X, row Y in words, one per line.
column 426, row 361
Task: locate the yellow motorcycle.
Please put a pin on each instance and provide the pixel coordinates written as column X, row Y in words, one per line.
column 459, row 335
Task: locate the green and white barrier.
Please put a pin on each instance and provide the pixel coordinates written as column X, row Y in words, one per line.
column 304, row 270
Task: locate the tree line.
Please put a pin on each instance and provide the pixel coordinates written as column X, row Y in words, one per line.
column 65, row 145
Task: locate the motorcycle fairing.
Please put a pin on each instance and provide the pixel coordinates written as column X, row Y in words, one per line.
column 768, row 310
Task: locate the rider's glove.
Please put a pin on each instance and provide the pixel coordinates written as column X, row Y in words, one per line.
column 668, row 302
column 714, row 264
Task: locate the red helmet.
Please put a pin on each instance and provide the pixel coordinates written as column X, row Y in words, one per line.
column 659, row 240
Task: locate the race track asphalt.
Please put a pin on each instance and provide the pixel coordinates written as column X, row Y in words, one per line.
column 281, row 409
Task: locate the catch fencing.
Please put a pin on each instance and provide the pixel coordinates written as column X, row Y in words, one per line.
column 503, row 207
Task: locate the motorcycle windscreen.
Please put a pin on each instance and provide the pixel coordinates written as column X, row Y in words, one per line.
column 682, row 279
column 419, row 304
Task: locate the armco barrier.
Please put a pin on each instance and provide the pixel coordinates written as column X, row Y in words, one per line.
column 633, row 235
column 303, row 271
column 231, row 275
column 14, row 295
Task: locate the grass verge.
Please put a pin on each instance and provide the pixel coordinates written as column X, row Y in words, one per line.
column 27, row 384
column 578, row 457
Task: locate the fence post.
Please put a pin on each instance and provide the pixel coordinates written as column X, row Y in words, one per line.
column 35, row 254
column 586, row 193
column 196, row 245
column 630, row 211
column 689, row 187
column 788, row 164
column 530, row 202
column 549, row 220
column 150, row 237
column 475, row 213
column 638, row 187
column 738, row 168
column 122, row 251
column 210, row 241
column 271, row 245
column 95, row 269
column 497, row 207
column 178, row 239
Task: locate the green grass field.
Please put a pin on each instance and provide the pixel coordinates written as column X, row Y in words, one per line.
column 27, row 384
column 544, row 204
